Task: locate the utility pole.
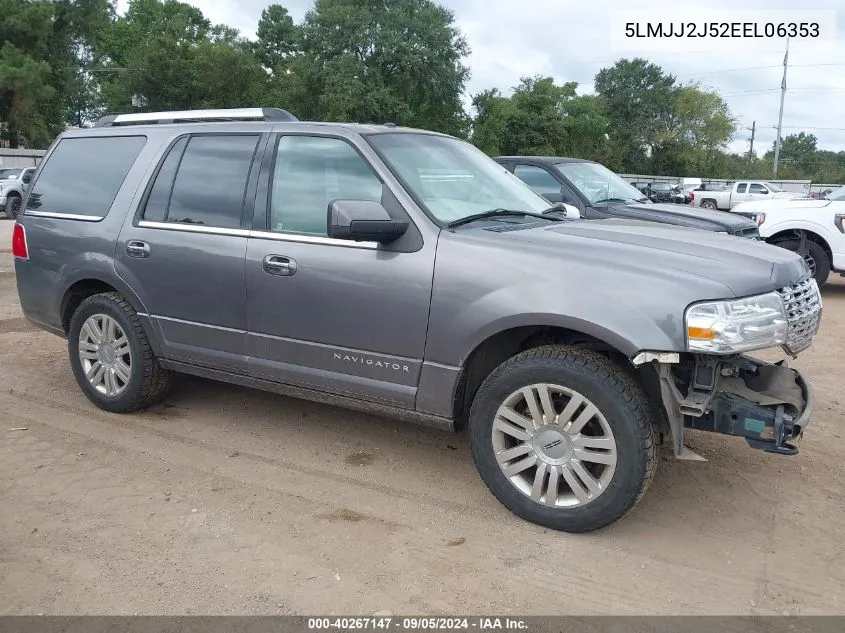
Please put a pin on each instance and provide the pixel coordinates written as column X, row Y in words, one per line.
column 753, row 131
column 780, row 115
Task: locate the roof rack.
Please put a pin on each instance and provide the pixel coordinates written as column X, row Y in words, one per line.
column 190, row 116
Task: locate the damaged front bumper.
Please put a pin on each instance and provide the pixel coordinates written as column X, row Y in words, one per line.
column 768, row 404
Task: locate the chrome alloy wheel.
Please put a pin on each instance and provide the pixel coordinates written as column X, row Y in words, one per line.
column 554, row 445
column 105, row 355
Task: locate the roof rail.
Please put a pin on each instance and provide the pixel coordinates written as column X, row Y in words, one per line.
column 189, row 116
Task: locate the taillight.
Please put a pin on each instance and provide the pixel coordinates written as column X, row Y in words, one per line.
column 19, row 248
column 691, row 196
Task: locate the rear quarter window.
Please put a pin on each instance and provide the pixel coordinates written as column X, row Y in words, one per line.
column 83, row 175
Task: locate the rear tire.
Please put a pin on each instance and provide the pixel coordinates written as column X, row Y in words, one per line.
column 13, row 206
column 124, row 373
column 816, row 258
column 619, row 430
column 708, row 204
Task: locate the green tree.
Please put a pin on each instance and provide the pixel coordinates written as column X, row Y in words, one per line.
column 44, row 43
column 797, row 151
column 638, row 100
column 380, row 60
column 163, row 55
column 539, row 118
column 277, row 38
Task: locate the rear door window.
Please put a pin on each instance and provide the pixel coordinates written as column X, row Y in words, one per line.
column 83, row 175
column 740, row 188
column 211, row 180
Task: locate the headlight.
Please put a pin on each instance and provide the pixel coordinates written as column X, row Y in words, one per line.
column 754, row 216
column 738, row 325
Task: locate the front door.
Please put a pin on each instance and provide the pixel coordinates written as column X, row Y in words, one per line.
column 334, row 315
column 184, row 252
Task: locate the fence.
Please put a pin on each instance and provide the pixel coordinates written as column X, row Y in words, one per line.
column 20, row 157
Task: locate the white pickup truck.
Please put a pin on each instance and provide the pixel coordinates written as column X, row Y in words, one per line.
column 813, row 228
column 741, row 191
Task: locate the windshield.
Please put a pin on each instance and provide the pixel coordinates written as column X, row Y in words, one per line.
column 838, row 194
column 452, row 178
column 772, row 187
column 10, row 173
column 598, row 184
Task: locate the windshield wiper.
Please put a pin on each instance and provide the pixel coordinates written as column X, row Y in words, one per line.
column 615, row 200
column 494, row 213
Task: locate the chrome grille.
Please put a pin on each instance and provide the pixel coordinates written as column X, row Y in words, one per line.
column 803, row 304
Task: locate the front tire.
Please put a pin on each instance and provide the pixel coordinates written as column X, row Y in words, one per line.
column 111, row 356
column 817, row 260
column 13, row 206
column 563, row 438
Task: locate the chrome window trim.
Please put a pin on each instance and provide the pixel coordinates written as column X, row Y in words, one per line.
column 266, row 235
column 311, row 239
column 190, row 228
column 63, row 216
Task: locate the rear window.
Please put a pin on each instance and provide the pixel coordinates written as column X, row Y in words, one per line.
column 83, row 175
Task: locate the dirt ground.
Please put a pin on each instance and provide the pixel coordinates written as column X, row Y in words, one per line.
column 231, row 501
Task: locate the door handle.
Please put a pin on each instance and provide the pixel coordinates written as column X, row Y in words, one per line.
column 137, row 248
column 279, row 265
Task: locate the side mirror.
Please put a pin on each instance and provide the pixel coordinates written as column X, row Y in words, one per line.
column 363, row 221
column 764, row 191
column 572, row 212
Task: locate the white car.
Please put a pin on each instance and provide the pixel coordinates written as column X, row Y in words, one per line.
column 741, row 191
column 813, row 228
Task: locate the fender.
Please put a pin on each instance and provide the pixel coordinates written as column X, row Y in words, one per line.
column 610, row 319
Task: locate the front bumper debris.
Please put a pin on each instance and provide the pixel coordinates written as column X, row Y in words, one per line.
column 770, row 409
column 768, row 404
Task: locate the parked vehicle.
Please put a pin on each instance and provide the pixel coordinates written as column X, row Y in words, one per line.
column 681, row 195
column 599, row 193
column 403, row 272
column 812, row 228
column 743, row 191
column 13, row 183
column 661, row 192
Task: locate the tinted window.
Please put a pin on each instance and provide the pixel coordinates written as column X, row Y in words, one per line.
column 83, row 175
column 211, row 180
column 740, row 188
column 537, row 178
column 156, row 207
column 312, row 171
column 757, row 188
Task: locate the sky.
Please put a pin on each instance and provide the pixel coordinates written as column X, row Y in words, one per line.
column 572, row 41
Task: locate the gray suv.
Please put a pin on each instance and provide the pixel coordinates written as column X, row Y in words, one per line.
column 405, row 273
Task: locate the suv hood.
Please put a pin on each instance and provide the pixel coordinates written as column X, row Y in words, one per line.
column 742, row 266
column 784, row 203
column 694, row 217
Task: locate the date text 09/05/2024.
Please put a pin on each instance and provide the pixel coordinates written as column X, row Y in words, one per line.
column 722, row 29
column 416, row 623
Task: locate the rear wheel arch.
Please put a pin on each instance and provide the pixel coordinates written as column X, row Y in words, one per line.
column 88, row 286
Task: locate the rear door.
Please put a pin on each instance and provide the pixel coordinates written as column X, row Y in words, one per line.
column 184, row 250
